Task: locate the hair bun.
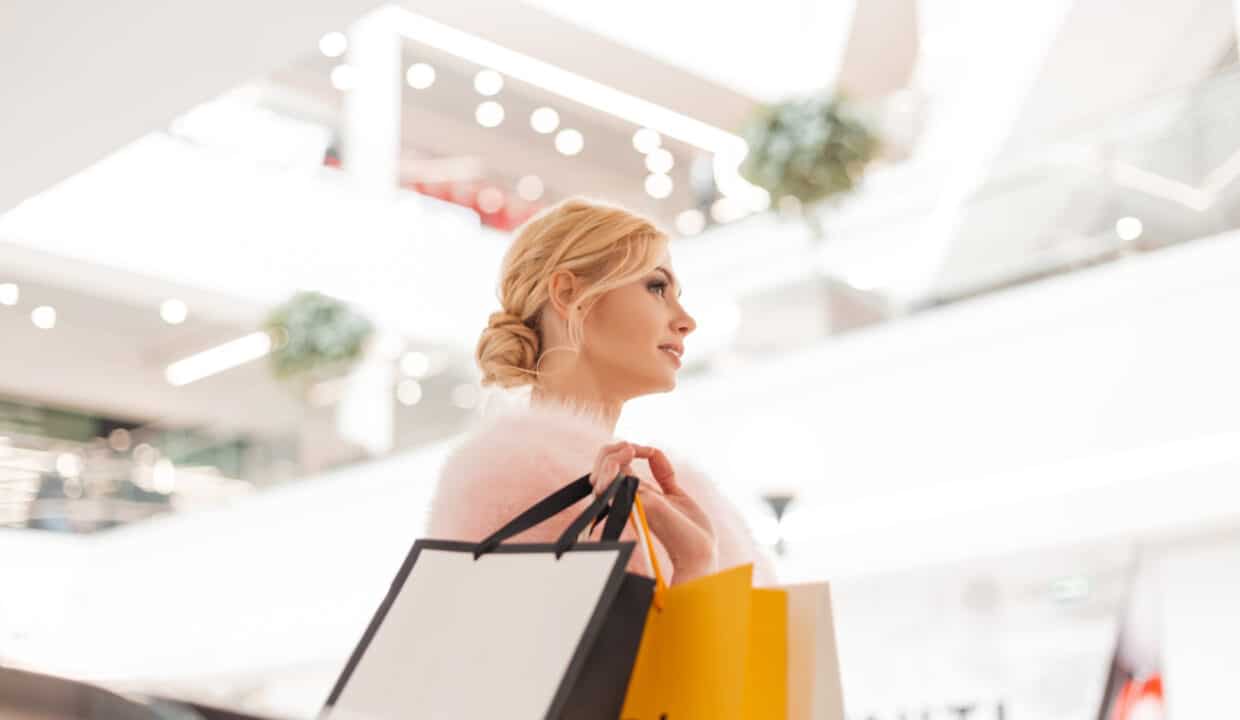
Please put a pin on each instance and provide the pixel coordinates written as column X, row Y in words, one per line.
column 507, row 350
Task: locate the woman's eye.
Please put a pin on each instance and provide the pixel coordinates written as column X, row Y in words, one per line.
column 658, row 287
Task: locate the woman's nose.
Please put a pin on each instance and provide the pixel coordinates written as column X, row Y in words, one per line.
column 685, row 324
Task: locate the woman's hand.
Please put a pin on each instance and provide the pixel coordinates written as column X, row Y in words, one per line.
column 679, row 522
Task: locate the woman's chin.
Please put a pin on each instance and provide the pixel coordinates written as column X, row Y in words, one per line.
column 657, row 386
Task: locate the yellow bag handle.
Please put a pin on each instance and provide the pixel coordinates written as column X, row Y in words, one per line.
column 643, row 531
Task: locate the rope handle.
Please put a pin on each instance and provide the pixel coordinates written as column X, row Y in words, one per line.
column 643, row 531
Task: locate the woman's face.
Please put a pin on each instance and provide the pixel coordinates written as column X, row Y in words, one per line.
column 635, row 334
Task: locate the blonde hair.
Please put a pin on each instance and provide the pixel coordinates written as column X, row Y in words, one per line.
column 603, row 245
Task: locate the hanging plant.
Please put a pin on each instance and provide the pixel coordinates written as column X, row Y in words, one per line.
column 812, row 149
column 316, row 335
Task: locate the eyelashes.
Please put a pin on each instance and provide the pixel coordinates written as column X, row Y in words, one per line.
column 659, row 287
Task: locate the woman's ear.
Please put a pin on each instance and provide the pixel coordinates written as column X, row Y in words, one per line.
column 562, row 292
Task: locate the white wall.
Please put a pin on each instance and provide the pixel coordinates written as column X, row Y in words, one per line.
column 1031, row 412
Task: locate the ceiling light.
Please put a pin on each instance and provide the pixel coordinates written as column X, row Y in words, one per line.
column 530, row 188
column 164, row 476
column 409, row 392
column 218, row 359
column 690, row 222
column 1129, row 228
column 489, row 114
column 544, row 120
column 144, row 454
column 660, row 161
column 646, row 141
column 658, row 186
column 43, row 317
column 68, row 465
column 490, row 200
column 415, row 364
column 569, row 142
column 420, row 76
column 119, row 439
column 173, row 311
column 344, row 77
column 333, row 44
column 564, row 83
column 9, row 293
column 729, row 149
column 488, row 82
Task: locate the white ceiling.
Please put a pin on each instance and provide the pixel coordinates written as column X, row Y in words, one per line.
column 82, row 75
column 769, row 50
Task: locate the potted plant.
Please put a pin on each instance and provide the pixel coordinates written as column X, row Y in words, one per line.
column 812, row 149
column 317, row 337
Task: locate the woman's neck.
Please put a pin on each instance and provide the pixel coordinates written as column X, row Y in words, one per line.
column 579, row 399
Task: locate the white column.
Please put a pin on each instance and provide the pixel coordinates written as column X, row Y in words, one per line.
column 1200, row 594
column 371, row 157
column 371, row 123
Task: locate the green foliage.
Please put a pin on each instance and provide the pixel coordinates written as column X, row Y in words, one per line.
column 809, row 148
column 314, row 334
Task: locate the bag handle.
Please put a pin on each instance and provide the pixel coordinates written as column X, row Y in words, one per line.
column 643, row 531
column 624, row 488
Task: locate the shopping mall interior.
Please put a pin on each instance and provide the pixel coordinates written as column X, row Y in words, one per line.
column 973, row 361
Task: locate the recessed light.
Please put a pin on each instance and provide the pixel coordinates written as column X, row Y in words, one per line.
column 1129, row 228
column 645, row 141
column 420, row 76
column 490, row 200
column 691, row 222
column 415, row 364
column 488, row 82
column 569, row 142
column 173, row 311
column 333, row 44
column 43, row 317
column 489, row 114
column 658, row 186
column 544, row 120
column 409, row 392
column 530, row 188
column 344, row 77
column 660, row 161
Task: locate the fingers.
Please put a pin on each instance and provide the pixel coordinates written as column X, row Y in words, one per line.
column 612, row 461
column 680, row 534
column 660, row 468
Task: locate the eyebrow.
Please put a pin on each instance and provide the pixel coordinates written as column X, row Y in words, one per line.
column 672, row 279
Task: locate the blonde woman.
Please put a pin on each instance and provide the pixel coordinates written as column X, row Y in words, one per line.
column 590, row 317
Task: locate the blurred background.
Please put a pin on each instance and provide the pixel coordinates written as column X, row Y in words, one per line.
column 966, row 276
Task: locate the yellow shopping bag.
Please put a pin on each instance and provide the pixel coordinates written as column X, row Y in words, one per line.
column 714, row 648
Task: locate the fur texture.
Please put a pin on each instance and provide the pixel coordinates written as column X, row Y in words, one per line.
column 515, row 459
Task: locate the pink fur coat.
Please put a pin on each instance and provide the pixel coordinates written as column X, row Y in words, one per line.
column 515, row 459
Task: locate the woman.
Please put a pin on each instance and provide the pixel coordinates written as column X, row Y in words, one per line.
column 590, row 318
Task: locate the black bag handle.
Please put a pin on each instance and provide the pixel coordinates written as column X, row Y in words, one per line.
column 620, row 495
column 622, row 490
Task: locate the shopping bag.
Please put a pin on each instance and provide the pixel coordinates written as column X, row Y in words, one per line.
column 495, row 629
column 814, row 691
column 713, row 648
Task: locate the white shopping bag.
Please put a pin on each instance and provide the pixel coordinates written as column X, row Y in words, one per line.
column 493, row 630
column 814, row 691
